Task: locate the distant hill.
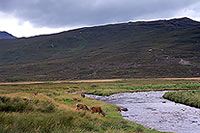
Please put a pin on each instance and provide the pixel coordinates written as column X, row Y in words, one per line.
column 6, row 35
column 162, row 48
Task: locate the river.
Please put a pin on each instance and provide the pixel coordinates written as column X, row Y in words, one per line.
column 154, row 112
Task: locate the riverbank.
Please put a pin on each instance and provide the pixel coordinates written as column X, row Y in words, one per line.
column 122, row 89
column 190, row 98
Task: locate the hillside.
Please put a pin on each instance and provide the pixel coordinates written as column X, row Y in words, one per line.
column 6, row 35
column 163, row 48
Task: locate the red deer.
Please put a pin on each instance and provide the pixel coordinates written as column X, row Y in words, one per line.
column 35, row 94
column 83, row 95
column 96, row 109
column 82, row 106
column 119, row 109
column 75, row 99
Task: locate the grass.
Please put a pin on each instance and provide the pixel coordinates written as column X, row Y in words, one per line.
column 17, row 104
column 64, row 122
column 191, row 98
column 67, row 119
column 112, row 90
column 25, row 116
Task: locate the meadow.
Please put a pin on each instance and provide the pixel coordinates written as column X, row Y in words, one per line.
column 50, row 106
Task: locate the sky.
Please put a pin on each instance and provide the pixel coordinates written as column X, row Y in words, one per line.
column 24, row 18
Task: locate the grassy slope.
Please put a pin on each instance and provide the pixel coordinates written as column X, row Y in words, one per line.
column 66, row 118
column 191, row 98
column 111, row 51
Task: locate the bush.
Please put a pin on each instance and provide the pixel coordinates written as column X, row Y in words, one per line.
column 15, row 79
column 23, row 105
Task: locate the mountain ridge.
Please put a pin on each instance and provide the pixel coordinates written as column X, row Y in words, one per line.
column 6, row 35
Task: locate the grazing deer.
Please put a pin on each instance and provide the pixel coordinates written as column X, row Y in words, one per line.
column 35, row 94
column 82, row 95
column 96, row 109
column 75, row 99
column 82, row 106
column 119, row 109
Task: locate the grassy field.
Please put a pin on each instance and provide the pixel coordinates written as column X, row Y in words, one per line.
column 62, row 117
column 49, row 106
column 191, row 98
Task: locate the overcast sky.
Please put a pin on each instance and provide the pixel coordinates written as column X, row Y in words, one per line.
column 34, row 17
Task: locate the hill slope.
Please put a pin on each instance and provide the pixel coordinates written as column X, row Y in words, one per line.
column 164, row 48
column 6, row 35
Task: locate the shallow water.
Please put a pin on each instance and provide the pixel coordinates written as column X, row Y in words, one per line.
column 155, row 112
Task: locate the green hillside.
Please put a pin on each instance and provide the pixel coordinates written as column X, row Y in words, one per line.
column 164, row 48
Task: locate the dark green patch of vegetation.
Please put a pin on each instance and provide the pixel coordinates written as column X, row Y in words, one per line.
column 8, row 104
column 191, row 98
column 15, row 79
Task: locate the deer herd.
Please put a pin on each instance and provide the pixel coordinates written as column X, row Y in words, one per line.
column 93, row 109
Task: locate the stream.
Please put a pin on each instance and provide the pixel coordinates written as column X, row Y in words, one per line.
column 152, row 111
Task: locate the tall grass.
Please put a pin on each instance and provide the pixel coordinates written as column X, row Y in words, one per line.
column 173, row 86
column 20, row 115
column 8, row 104
column 112, row 90
column 191, row 98
column 64, row 122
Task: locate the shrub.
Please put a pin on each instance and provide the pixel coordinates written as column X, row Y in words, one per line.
column 23, row 105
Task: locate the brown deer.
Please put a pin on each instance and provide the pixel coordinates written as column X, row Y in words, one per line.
column 82, row 95
column 82, row 106
column 119, row 109
column 35, row 94
column 96, row 109
column 75, row 99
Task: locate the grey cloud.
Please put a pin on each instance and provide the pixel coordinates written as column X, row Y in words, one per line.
column 60, row 13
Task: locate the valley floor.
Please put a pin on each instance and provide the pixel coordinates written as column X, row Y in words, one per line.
column 51, row 106
column 87, row 81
